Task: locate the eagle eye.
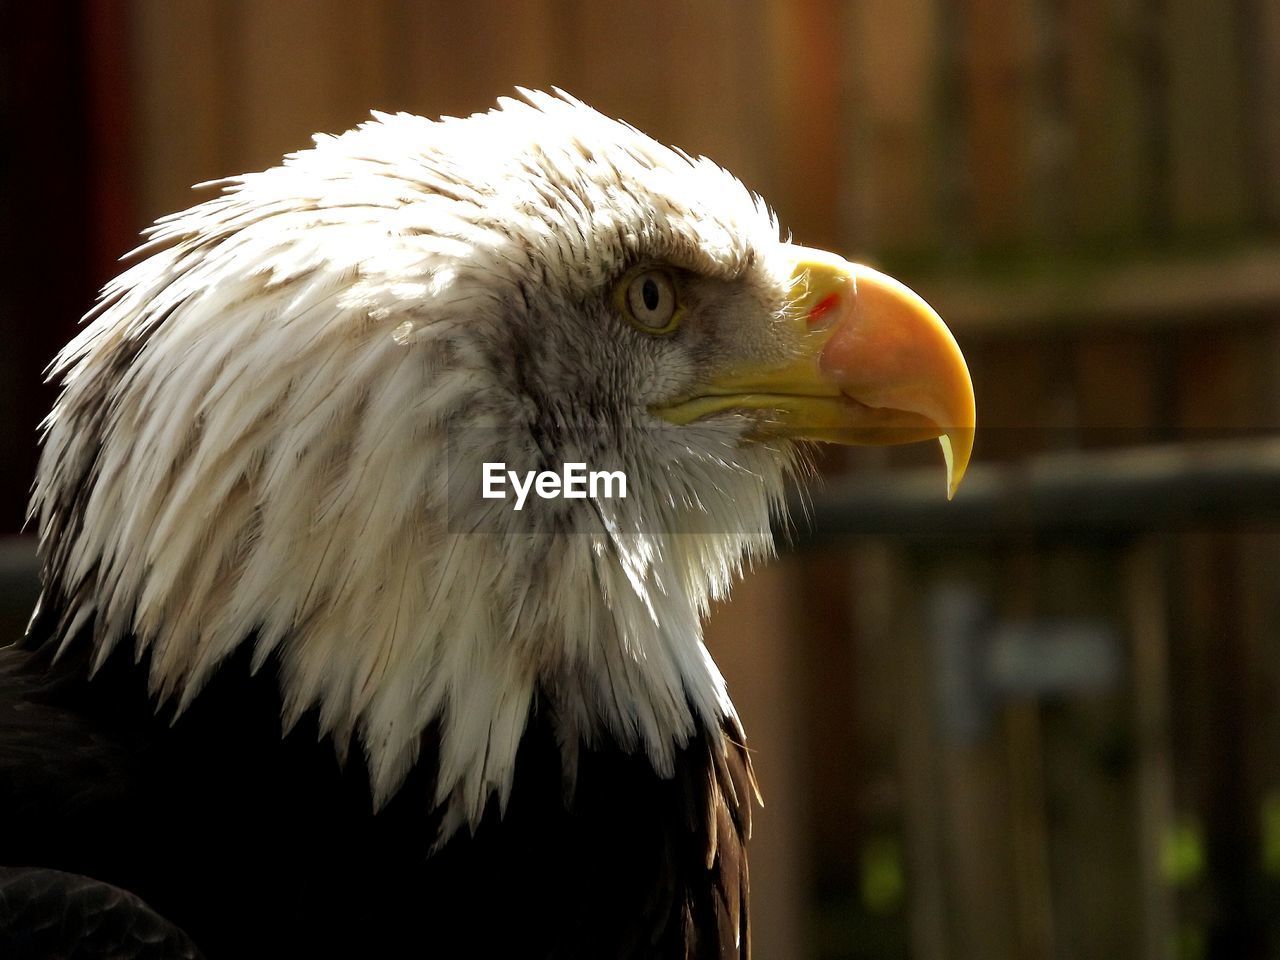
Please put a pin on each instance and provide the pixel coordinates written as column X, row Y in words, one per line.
column 649, row 299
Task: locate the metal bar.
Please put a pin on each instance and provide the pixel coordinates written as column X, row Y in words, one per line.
column 1134, row 295
column 1139, row 489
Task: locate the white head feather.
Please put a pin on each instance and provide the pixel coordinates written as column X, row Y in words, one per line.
column 261, row 423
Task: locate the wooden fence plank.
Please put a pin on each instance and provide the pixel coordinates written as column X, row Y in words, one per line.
column 1119, row 388
column 182, row 79
column 1112, row 100
column 1141, row 292
column 1033, row 905
column 998, row 78
column 617, row 60
column 111, row 135
column 808, row 92
column 1025, row 396
column 1264, row 109
column 919, row 751
column 1222, row 386
column 717, row 85
column 1091, row 770
column 287, row 69
column 976, row 816
column 975, row 803
column 755, row 642
column 1146, row 588
column 458, row 58
column 838, row 768
column 366, row 39
column 1206, row 150
column 895, row 154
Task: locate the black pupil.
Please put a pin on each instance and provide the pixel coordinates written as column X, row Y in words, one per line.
column 650, row 294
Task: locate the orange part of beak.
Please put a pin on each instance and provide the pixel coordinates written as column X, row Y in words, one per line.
column 889, row 350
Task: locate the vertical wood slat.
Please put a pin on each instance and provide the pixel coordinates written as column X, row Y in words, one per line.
column 892, row 146
column 1031, row 908
column 831, row 717
column 716, row 78
column 629, row 81
column 1230, row 797
column 1202, row 64
column 919, row 754
column 1146, row 586
column 1118, row 390
column 114, row 207
column 1220, row 388
column 182, row 78
column 1097, row 837
column 1048, row 130
column 1033, row 903
column 289, row 68
column 1113, row 177
column 457, row 58
column 996, row 52
column 808, row 47
column 975, row 803
column 307, row 66
column 976, row 814
column 1018, row 392
column 1259, row 566
column 1222, row 385
column 1092, row 782
column 866, row 669
column 365, row 39
column 754, row 640
column 1264, row 99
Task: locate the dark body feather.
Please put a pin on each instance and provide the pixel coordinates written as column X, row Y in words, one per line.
column 52, row 915
column 263, row 846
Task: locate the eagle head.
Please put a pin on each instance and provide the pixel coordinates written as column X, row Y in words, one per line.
column 273, row 430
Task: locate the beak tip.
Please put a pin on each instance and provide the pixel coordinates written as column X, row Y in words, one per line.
column 956, row 464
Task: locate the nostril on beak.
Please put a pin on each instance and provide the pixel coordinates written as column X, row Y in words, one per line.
column 824, row 312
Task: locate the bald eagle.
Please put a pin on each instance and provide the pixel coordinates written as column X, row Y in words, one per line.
column 299, row 681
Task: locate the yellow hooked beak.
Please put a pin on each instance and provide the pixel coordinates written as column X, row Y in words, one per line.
column 867, row 361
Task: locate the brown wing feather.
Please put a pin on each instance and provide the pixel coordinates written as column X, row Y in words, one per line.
column 720, row 915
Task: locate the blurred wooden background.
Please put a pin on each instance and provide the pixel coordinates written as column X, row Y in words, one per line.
column 1088, row 190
